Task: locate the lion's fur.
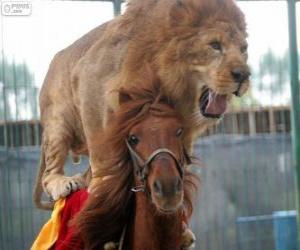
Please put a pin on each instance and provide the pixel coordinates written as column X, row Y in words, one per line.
column 168, row 36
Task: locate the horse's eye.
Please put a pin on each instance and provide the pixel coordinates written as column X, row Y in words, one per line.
column 216, row 45
column 179, row 132
column 133, row 140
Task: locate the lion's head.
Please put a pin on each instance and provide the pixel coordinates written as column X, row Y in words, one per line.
column 198, row 49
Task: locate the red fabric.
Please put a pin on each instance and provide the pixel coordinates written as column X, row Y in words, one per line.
column 73, row 205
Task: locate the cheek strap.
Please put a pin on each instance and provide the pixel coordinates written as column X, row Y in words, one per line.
column 142, row 167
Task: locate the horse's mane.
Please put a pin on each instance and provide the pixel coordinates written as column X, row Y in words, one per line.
column 108, row 207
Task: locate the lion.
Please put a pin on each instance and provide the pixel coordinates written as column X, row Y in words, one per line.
column 197, row 48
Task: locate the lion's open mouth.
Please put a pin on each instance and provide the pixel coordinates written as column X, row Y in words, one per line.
column 212, row 105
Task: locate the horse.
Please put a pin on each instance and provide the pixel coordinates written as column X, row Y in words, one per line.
column 143, row 196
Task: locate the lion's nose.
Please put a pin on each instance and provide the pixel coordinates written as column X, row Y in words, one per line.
column 240, row 75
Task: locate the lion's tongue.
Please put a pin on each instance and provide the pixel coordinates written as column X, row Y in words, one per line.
column 216, row 104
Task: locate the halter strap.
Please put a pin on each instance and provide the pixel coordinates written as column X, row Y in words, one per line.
column 142, row 167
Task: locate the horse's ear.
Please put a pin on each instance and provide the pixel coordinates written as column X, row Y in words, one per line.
column 124, row 97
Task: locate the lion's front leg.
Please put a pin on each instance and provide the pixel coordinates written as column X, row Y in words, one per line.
column 95, row 166
column 93, row 128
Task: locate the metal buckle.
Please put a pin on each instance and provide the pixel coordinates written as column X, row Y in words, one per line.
column 136, row 189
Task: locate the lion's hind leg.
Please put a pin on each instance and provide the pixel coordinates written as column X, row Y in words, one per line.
column 59, row 186
column 188, row 240
column 56, row 147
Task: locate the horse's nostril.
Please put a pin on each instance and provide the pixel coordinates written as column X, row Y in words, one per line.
column 240, row 75
column 167, row 188
column 157, row 187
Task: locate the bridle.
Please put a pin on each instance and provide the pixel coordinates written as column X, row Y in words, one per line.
column 142, row 167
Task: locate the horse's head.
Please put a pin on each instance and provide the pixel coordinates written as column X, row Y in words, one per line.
column 142, row 150
column 155, row 144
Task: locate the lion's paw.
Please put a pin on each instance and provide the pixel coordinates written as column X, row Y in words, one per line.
column 188, row 240
column 62, row 186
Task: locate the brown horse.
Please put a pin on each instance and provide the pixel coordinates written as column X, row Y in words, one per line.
column 147, row 190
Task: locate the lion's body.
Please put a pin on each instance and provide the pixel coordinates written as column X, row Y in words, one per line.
column 61, row 94
column 170, row 38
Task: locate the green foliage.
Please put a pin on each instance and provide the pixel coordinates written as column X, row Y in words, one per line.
column 13, row 74
column 271, row 78
column 276, row 70
column 18, row 95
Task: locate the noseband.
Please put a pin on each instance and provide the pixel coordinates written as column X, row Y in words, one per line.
column 142, row 167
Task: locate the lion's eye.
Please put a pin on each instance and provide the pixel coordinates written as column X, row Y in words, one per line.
column 216, row 45
column 133, row 140
column 179, row 132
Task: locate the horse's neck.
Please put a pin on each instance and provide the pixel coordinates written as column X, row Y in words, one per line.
column 152, row 231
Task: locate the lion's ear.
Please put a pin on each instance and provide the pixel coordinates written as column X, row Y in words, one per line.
column 179, row 13
column 124, row 97
column 194, row 12
column 185, row 13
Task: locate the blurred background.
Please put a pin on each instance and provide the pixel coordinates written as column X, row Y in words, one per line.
column 248, row 195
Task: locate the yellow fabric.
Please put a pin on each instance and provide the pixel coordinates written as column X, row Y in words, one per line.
column 49, row 233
